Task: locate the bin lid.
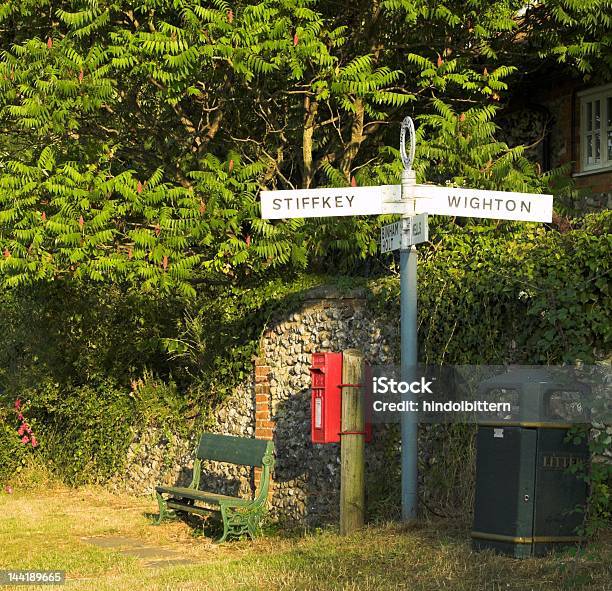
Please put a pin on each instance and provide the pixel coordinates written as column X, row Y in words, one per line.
column 536, row 404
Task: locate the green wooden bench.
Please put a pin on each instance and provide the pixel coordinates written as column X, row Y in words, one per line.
column 240, row 516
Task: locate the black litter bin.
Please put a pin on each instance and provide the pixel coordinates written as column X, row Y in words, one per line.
column 526, row 499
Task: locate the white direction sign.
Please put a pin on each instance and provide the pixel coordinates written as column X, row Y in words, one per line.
column 345, row 201
column 332, row 202
column 390, row 237
column 416, row 229
column 476, row 203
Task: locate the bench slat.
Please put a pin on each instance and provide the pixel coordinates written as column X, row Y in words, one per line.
column 199, row 495
column 187, row 508
column 234, row 450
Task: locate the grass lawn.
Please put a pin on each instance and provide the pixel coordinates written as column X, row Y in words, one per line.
column 45, row 530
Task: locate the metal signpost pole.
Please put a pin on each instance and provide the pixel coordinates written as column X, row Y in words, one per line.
column 409, row 423
column 408, row 329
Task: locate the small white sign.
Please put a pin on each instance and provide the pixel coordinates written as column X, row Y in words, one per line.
column 476, row 203
column 417, row 229
column 390, row 237
column 331, row 202
column 318, row 413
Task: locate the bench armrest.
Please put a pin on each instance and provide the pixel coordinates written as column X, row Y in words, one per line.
column 266, row 469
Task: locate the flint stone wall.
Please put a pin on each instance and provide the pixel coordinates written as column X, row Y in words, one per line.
column 307, row 476
column 157, row 457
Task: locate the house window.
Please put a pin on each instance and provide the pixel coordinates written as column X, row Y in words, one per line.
column 596, row 128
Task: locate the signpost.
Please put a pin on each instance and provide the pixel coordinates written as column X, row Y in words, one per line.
column 386, row 199
column 414, row 202
column 416, row 229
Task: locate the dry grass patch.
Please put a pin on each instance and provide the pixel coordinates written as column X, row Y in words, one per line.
column 45, row 530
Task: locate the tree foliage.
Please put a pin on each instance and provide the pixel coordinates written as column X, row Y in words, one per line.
column 136, row 135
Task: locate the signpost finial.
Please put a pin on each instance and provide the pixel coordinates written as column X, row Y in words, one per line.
column 407, row 160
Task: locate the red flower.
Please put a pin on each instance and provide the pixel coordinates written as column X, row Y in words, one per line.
column 49, row 42
column 231, row 166
column 440, row 61
column 353, row 182
column 139, row 187
column 295, row 40
column 81, row 76
column 44, row 216
column 34, row 441
column 25, row 439
column 21, row 430
column 18, row 404
column 81, row 222
column 165, row 262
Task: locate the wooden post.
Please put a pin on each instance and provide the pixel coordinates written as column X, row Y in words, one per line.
column 352, row 445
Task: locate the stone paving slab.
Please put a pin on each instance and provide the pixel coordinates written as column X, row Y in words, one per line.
column 150, row 552
column 112, row 541
column 152, row 556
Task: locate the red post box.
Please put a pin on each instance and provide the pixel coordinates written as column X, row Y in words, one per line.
column 326, row 402
column 326, row 408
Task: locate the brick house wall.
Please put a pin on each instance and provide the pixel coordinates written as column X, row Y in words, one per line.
column 548, row 117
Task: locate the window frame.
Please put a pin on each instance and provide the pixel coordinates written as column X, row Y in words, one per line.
column 603, row 94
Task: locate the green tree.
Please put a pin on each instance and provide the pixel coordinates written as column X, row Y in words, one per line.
column 136, row 135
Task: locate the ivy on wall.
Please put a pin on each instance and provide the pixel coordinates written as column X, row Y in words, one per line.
column 529, row 296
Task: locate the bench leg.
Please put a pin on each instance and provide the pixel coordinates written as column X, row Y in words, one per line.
column 238, row 521
column 226, row 527
column 163, row 509
column 253, row 525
